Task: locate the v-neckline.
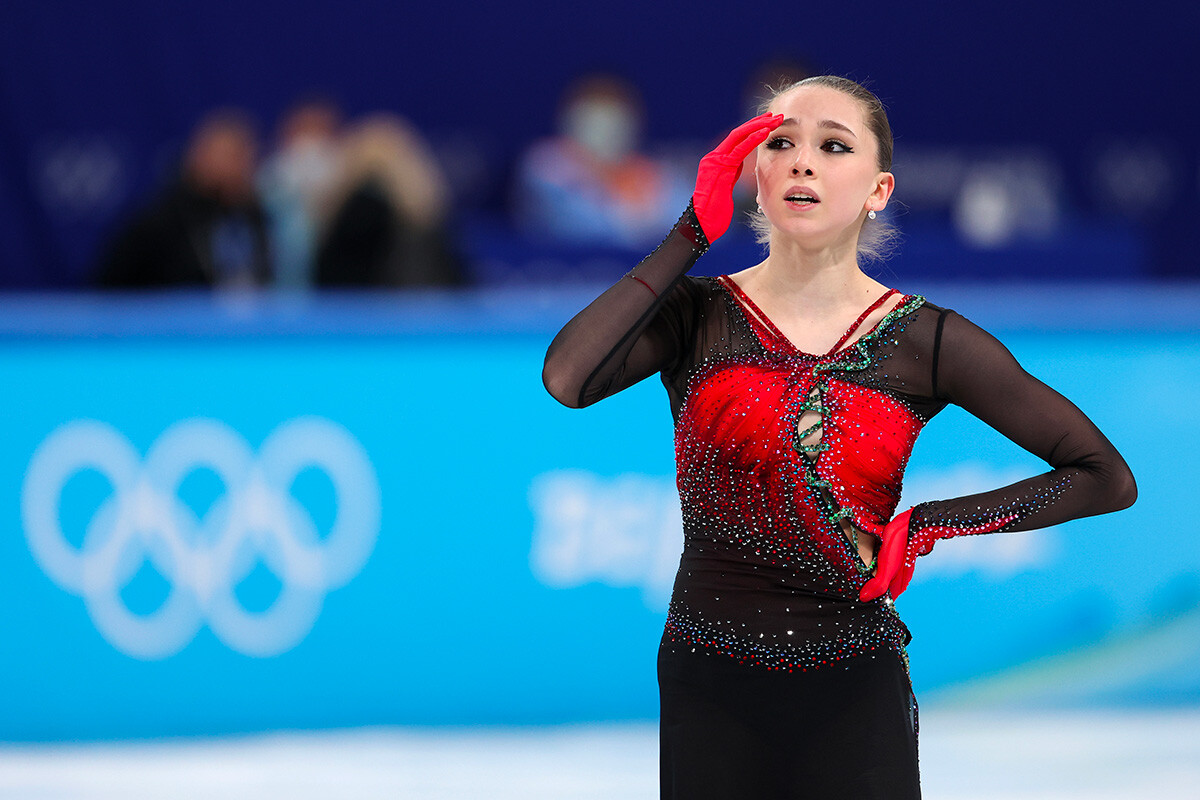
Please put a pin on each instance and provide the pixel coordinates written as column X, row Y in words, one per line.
column 839, row 346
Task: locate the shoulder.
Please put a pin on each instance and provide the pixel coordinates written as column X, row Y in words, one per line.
column 951, row 327
column 920, row 315
column 698, row 289
column 942, row 328
column 691, row 300
column 950, row 319
column 704, row 320
column 967, row 355
column 916, row 329
column 913, row 316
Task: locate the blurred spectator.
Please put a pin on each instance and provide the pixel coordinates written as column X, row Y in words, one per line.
column 1008, row 199
column 385, row 218
column 206, row 228
column 589, row 184
column 293, row 182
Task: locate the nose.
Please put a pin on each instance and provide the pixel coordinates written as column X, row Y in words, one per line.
column 801, row 164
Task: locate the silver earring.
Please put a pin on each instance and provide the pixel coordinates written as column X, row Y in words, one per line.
column 760, row 209
column 871, row 214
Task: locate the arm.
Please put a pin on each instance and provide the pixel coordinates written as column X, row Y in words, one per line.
column 1088, row 475
column 611, row 344
column 620, row 338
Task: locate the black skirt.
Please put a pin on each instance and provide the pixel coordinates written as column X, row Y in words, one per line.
column 730, row 731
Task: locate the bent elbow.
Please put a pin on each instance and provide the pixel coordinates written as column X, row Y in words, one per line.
column 560, row 386
column 1124, row 489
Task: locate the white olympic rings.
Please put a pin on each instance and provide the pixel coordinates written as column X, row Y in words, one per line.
column 204, row 558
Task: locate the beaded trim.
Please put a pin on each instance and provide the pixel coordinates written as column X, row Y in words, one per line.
column 685, row 628
column 905, row 308
column 688, row 226
column 852, row 358
column 835, row 511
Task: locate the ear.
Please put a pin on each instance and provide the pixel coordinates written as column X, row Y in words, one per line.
column 884, row 185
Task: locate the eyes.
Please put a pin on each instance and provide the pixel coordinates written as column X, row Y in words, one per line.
column 829, row 145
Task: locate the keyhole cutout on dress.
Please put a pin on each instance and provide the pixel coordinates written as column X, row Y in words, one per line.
column 809, row 425
column 809, row 430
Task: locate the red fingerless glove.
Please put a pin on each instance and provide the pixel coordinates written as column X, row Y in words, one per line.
column 894, row 564
column 719, row 171
column 901, row 547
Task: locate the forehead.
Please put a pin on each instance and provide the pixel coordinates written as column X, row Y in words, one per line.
column 821, row 102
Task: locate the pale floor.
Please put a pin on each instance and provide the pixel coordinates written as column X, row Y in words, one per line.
column 964, row 756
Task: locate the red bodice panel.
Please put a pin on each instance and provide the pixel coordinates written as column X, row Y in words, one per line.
column 779, row 450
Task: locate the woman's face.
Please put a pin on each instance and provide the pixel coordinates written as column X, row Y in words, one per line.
column 817, row 172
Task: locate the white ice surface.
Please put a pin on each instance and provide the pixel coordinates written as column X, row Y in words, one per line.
column 964, row 756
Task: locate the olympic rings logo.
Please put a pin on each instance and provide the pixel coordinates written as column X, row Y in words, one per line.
column 203, row 558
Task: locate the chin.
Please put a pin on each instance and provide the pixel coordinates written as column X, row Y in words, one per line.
column 801, row 230
column 812, row 232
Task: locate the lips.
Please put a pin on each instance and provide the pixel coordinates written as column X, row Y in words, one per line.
column 801, row 196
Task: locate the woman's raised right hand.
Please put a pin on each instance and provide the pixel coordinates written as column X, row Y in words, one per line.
column 719, row 171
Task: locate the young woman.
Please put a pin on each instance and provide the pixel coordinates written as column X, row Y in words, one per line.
column 798, row 387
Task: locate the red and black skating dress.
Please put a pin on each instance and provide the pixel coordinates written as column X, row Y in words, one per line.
column 775, row 679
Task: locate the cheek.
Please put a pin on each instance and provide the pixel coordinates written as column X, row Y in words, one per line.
column 763, row 168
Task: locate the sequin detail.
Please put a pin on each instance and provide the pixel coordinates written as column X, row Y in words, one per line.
column 787, row 648
column 927, row 524
column 767, row 576
column 787, row 460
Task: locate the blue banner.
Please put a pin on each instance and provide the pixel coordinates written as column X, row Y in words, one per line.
column 224, row 531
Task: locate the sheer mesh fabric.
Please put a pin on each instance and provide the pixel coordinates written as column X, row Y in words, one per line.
column 768, row 575
column 675, row 324
column 780, row 455
column 618, row 340
column 977, row 373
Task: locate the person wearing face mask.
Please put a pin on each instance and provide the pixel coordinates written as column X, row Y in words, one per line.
column 590, row 184
column 294, row 181
column 798, row 387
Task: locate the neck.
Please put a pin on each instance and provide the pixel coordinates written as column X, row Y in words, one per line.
column 818, row 282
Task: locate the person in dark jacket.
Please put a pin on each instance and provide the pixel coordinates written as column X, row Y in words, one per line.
column 206, row 228
column 386, row 217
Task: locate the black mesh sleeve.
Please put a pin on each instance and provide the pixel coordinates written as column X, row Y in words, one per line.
column 1088, row 475
column 622, row 337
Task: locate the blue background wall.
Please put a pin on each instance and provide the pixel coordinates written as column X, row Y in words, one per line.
column 523, row 550
column 522, row 555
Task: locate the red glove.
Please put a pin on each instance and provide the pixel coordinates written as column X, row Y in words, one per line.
column 719, row 171
column 901, row 547
column 893, row 566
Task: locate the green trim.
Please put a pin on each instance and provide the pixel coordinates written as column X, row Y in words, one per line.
column 835, row 363
column 860, row 359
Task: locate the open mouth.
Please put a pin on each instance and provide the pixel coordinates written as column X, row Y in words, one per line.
column 801, row 196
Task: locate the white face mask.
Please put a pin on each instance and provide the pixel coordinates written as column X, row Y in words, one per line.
column 604, row 127
column 309, row 165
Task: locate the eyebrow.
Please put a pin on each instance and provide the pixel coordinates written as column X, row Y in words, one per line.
column 825, row 123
